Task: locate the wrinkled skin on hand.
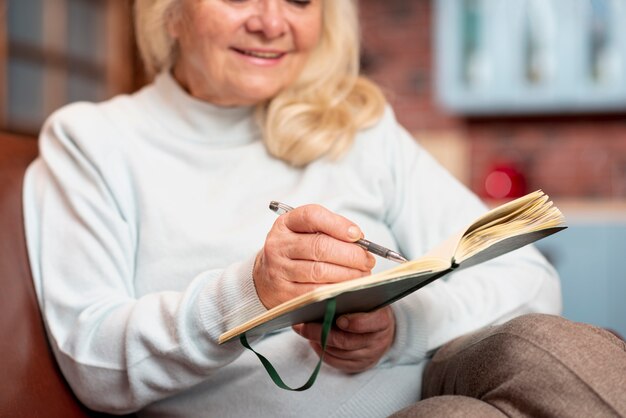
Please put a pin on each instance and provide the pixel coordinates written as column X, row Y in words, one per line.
column 306, row 248
column 312, row 246
column 357, row 342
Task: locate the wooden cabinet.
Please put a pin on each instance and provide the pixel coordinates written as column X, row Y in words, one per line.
column 498, row 57
column 54, row 52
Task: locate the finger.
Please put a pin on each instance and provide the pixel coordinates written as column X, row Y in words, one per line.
column 336, row 338
column 300, row 271
column 321, row 247
column 362, row 354
column 367, row 322
column 282, row 243
column 316, row 218
column 278, row 259
column 346, row 365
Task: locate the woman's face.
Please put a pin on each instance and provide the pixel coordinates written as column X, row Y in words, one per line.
column 242, row 52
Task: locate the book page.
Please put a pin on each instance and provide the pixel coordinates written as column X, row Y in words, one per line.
column 503, row 210
column 506, row 245
column 447, row 249
column 523, row 216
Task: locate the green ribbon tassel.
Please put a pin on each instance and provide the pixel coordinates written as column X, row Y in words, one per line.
column 329, row 315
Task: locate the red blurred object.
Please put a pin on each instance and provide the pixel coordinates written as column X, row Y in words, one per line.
column 504, row 180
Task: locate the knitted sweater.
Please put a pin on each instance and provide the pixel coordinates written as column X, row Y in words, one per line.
column 143, row 218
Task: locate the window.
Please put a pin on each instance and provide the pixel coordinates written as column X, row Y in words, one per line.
column 54, row 52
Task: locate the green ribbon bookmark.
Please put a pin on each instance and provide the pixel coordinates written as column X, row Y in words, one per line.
column 329, row 315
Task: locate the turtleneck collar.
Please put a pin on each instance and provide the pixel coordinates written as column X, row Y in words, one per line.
column 193, row 119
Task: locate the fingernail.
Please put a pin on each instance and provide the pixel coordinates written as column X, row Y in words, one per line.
column 343, row 322
column 354, row 232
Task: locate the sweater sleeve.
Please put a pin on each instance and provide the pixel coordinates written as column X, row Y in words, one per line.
column 428, row 206
column 82, row 249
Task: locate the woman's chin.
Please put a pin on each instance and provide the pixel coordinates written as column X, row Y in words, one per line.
column 253, row 96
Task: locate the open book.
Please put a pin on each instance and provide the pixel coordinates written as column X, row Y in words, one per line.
column 503, row 229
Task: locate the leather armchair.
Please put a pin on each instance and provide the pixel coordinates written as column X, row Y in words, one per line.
column 31, row 384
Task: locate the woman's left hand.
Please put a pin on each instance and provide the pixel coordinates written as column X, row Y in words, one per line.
column 357, row 342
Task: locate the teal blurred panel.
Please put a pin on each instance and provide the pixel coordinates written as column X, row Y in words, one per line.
column 81, row 88
column 589, row 257
column 25, row 19
column 25, row 107
column 617, row 278
column 86, row 30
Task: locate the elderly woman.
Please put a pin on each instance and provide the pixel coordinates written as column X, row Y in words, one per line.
column 149, row 233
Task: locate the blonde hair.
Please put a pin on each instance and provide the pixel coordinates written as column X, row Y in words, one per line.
column 156, row 47
column 321, row 112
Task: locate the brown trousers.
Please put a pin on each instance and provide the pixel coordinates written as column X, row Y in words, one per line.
column 532, row 366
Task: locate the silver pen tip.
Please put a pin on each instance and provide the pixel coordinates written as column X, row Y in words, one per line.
column 396, row 257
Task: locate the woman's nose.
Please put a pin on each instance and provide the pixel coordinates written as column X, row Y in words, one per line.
column 268, row 19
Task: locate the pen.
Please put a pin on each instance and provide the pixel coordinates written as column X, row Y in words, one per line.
column 281, row 208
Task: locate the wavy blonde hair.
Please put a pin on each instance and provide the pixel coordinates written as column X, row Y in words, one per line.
column 321, row 112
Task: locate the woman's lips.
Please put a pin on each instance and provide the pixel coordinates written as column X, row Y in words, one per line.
column 261, row 54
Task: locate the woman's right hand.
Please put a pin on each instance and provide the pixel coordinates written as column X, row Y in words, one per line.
column 308, row 247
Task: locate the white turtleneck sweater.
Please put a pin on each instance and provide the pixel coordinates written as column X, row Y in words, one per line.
column 143, row 218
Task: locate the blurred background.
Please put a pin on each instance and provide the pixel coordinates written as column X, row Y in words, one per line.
column 511, row 96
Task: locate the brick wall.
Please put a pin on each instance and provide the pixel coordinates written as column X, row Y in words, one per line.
column 580, row 156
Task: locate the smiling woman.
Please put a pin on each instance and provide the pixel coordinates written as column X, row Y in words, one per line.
column 149, row 235
column 303, row 55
